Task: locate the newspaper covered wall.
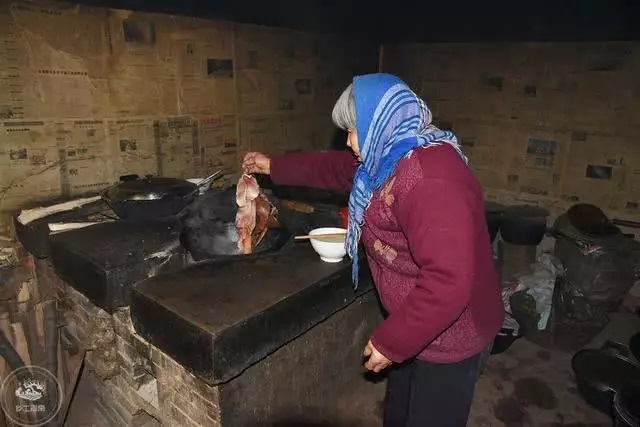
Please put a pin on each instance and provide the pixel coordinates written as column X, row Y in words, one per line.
column 90, row 94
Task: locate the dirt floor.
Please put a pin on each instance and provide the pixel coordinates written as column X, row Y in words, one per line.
column 527, row 386
column 531, row 386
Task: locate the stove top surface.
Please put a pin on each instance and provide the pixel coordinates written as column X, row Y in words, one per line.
column 216, row 295
column 118, row 243
column 34, row 236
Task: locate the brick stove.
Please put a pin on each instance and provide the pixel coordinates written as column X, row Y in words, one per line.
column 137, row 384
column 234, row 342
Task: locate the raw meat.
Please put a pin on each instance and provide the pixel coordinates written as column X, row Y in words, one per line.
column 209, row 225
column 266, row 218
column 246, row 193
column 255, row 214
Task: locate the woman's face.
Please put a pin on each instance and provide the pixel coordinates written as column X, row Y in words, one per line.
column 352, row 142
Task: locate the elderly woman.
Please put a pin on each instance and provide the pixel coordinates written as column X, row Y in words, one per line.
column 418, row 211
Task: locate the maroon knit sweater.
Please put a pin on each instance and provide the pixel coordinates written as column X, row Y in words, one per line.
column 428, row 249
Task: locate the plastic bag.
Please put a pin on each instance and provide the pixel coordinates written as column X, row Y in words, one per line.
column 539, row 285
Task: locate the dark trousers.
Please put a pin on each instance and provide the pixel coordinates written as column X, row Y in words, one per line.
column 423, row 394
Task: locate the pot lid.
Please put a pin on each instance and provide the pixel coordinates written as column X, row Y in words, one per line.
column 150, row 188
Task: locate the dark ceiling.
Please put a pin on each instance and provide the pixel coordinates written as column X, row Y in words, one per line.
column 427, row 20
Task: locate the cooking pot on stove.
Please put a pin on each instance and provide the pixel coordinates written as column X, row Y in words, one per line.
column 135, row 198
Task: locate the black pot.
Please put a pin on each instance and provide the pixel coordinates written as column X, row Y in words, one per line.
column 136, row 198
column 601, row 373
column 626, row 406
column 523, row 225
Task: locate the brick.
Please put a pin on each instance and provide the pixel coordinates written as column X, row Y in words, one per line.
column 134, row 375
column 122, row 323
column 134, row 396
column 206, row 392
column 148, row 391
column 181, row 417
column 211, row 410
column 193, row 412
column 145, row 420
column 142, row 347
column 105, row 412
column 164, row 398
column 126, row 349
column 104, row 367
column 155, row 369
column 136, row 383
column 125, row 407
column 156, row 356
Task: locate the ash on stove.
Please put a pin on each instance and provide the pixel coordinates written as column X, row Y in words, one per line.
column 168, row 258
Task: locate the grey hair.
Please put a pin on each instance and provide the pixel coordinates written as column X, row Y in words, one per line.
column 344, row 112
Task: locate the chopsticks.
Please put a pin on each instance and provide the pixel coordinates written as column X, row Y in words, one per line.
column 319, row 236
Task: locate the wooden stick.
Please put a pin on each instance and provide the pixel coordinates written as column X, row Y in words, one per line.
column 61, row 227
column 320, row 236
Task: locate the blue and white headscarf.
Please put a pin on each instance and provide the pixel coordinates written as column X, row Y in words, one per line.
column 391, row 121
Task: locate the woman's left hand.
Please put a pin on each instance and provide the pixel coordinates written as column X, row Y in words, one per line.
column 377, row 361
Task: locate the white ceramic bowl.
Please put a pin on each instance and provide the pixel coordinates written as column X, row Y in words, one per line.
column 331, row 249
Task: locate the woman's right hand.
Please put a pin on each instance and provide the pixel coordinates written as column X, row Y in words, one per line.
column 256, row 163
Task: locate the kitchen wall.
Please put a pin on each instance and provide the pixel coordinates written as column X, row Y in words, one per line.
column 89, row 94
column 546, row 123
